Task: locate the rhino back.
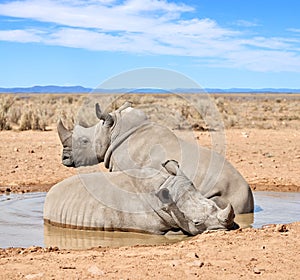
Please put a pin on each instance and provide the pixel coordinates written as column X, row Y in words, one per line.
column 153, row 144
column 210, row 172
column 92, row 201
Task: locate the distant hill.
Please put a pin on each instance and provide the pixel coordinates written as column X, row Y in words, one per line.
column 251, row 90
column 46, row 89
column 80, row 89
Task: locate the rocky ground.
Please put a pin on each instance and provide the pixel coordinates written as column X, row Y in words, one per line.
column 269, row 159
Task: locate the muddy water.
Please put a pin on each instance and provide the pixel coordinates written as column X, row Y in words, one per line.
column 21, row 220
column 21, row 223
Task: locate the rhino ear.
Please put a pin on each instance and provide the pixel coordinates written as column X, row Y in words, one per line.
column 107, row 118
column 164, row 196
column 64, row 134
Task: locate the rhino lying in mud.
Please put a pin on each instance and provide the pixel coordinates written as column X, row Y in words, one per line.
column 140, row 200
column 126, row 139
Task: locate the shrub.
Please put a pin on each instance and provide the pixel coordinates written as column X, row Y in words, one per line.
column 5, row 103
column 32, row 120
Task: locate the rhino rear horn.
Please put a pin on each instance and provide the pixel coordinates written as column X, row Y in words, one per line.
column 64, row 134
column 226, row 216
column 107, row 118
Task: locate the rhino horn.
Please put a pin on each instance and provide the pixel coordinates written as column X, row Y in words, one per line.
column 107, row 118
column 64, row 134
column 84, row 124
column 226, row 216
column 171, row 166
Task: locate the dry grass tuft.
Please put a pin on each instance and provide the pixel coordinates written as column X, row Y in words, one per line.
column 188, row 111
column 6, row 101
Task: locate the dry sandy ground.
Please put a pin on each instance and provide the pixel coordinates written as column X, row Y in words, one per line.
column 268, row 159
column 271, row 253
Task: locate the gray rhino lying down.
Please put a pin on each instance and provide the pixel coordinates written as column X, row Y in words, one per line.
column 126, row 139
column 144, row 200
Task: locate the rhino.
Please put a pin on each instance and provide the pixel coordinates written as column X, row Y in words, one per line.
column 140, row 200
column 127, row 139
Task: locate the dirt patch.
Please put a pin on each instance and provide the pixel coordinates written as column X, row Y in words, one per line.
column 270, row 253
column 268, row 159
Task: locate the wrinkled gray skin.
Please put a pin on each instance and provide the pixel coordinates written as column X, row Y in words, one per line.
column 117, row 201
column 126, row 139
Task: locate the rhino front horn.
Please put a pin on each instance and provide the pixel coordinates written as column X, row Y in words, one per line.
column 64, row 134
column 226, row 216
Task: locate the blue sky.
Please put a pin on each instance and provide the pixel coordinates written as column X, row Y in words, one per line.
column 217, row 43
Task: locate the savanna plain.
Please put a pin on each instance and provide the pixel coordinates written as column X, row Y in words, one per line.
column 258, row 133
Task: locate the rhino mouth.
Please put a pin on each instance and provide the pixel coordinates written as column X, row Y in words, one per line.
column 68, row 163
column 67, row 158
column 233, row 226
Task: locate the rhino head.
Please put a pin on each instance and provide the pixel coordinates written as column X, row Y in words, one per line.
column 189, row 209
column 86, row 145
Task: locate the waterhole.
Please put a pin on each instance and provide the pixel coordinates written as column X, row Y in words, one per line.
column 21, row 223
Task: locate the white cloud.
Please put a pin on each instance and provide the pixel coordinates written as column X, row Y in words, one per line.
column 272, row 43
column 130, row 16
column 263, row 60
column 150, row 26
column 246, row 23
column 296, row 30
column 21, row 36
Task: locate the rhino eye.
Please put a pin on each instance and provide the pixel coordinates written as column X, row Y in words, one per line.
column 84, row 141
